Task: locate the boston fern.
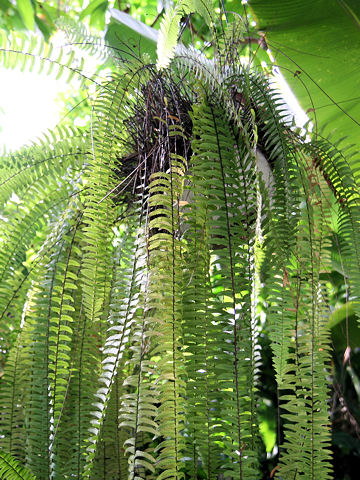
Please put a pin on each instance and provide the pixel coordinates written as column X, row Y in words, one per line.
column 136, row 256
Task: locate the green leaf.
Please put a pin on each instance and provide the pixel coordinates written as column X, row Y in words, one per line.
column 316, row 45
column 43, row 27
column 344, row 326
column 341, row 313
column 10, row 469
column 130, row 36
column 97, row 18
column 26, row 11
column 90, row 8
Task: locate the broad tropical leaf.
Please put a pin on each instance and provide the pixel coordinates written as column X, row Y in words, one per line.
column 315, row 43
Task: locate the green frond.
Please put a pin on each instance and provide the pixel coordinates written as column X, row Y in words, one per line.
column 168, row 36
column 335, row 166
column 20, row 51
column 84, row 366
column 124, row 306
column 12, row 397
column 231, row 217
column 10, row 469
column 79, row 37
column 111, row 461
column 170, row 27
column 59, row 152
column 49, row 352
column 138, row 406
column 164, row 305
column 306, row 409
column 45, row 179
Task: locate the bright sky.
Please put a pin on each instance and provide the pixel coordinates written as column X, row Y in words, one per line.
column 27, row 106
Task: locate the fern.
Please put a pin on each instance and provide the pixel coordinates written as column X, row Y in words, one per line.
column 20, row 51
column 170, row 27
column 11, row 470
column 308, row 351
column 165, row 288
column 78, row 36
column 41, row 196
column 231, row 266
column 135, row 257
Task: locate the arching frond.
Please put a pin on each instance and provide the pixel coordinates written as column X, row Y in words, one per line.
column 20, row 51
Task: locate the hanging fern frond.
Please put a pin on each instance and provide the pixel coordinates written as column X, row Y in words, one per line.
column 165, row 314
column 308, row 348
column 234, row 234
column 138, row 407
column 45, row 179
column 61, row 151
column 12, row 400
column 335, row 166
column 201, row 388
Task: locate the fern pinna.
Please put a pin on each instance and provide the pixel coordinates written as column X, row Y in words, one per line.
column 137, row 257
